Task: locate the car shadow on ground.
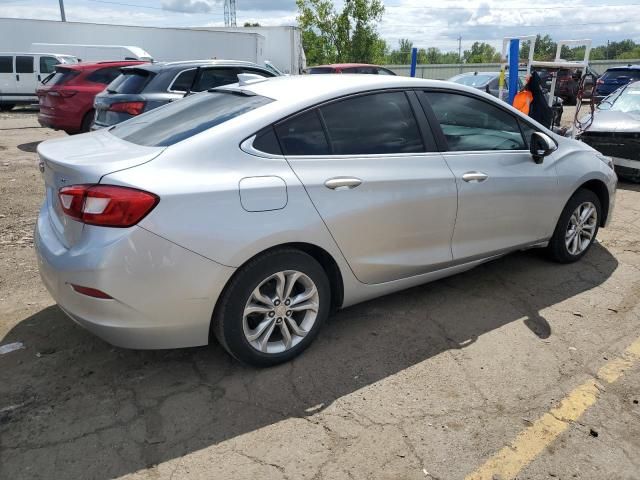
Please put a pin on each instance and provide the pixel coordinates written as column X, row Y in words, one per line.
column 75, row 407
column 30, row 147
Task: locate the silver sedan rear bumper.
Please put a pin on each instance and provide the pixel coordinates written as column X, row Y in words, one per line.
column 163, row 295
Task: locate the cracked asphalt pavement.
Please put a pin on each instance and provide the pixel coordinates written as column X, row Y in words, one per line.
column 423, row 384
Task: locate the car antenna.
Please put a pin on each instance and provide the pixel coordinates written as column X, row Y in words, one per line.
column 193, row 82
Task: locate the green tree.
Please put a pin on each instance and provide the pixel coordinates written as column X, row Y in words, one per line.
column 329, row 36
column 481, row 52
column 249, row 24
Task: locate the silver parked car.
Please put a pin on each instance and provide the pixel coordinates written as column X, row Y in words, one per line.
column 250, row 212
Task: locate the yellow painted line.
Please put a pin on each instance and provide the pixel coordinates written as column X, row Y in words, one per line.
column 529, row 443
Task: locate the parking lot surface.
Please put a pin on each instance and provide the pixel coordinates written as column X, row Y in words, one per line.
column 521, row 368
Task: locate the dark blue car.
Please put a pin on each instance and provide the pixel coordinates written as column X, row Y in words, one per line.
column 614, row 78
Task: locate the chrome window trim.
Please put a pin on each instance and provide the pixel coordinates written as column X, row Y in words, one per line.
column 169, row 89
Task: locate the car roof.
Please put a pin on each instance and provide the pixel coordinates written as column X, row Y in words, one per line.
column 624, row 67
column 96, row 65
column 158, row 66
column 310, row 89
column 345, row 65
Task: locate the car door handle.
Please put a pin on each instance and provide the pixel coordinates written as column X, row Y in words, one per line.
column 475, row 177
column 17, row 77
column 342, row 183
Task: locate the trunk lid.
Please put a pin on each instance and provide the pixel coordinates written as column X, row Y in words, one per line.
column 84, row 159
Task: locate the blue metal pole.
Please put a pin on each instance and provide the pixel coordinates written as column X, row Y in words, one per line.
column 514, row 52
column 414, row 61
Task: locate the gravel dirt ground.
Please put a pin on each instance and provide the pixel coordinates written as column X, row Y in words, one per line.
column 428, row 383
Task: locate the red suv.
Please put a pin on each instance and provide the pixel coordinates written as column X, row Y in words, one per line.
column 66, row 97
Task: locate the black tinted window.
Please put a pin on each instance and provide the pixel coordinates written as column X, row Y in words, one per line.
column 303, row 135
column 24, row 64
column 321, row 70
column 215, row 77
column 472, row 124
column 6, row 64
column 621, row 75
column 180, row 120
column 104, row 75
column 183, row 81
column 48, row 64
column 365, row 70
column 372, row 124
column 266, row 141
column 62, row 76
column 384, row 71
column 131, row 81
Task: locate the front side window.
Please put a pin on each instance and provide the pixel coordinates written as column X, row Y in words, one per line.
column 48, row 64
column 471, row 124
column 181, row 120
column 24, row 64
column 379, row 123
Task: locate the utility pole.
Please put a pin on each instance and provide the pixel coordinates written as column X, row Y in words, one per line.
column 62, row 15
column 460, row 52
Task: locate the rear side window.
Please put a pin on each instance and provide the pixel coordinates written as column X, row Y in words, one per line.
column 48, row 64
column 471, row 124
column 303, row 135
column 215, row 77
column 380, row 123
column 266, row 141
column 180, row 120
column 104, row 75
column 6, row 64
column 62, row 76
column 321, row 70
column 183, row 81
column 131, row 81
column 24, row 64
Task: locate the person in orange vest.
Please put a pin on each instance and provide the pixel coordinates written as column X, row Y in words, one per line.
column 532, row 102
column 523, row 98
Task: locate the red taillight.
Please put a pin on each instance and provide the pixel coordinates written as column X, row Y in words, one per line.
column 91, row 292
column 132, row 108
column 106, row 205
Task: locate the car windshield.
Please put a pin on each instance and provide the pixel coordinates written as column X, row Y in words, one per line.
column 626, row 99
column 473, row 80
column 182, row 119
column 621, row 75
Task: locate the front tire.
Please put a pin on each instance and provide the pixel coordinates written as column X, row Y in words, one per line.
column 577, row 227
column 273, row 308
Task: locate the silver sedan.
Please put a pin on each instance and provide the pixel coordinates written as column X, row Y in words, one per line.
column 250, row 212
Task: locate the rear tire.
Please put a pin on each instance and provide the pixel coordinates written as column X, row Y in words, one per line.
column 284, row 293
column 87, row 121
column 577, row 227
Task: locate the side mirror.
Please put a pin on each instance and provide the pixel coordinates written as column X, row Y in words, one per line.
column 540, row 146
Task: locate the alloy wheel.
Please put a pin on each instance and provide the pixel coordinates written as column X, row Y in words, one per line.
column 581, row 228
column 280, row 312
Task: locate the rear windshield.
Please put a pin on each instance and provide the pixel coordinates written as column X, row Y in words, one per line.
column 184, row 118
column 131, row 81
column 473, row 80
column 62, row 76
column 616, row 74
column 321, row 70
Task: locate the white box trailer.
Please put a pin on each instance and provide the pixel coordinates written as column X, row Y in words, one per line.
column 94, row 53
column 164, row 44
column 282, row 46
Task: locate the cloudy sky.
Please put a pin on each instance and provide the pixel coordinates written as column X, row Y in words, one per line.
column 428, row 23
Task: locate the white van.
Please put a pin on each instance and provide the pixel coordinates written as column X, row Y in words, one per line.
column 21, row 73
column 95, row 53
